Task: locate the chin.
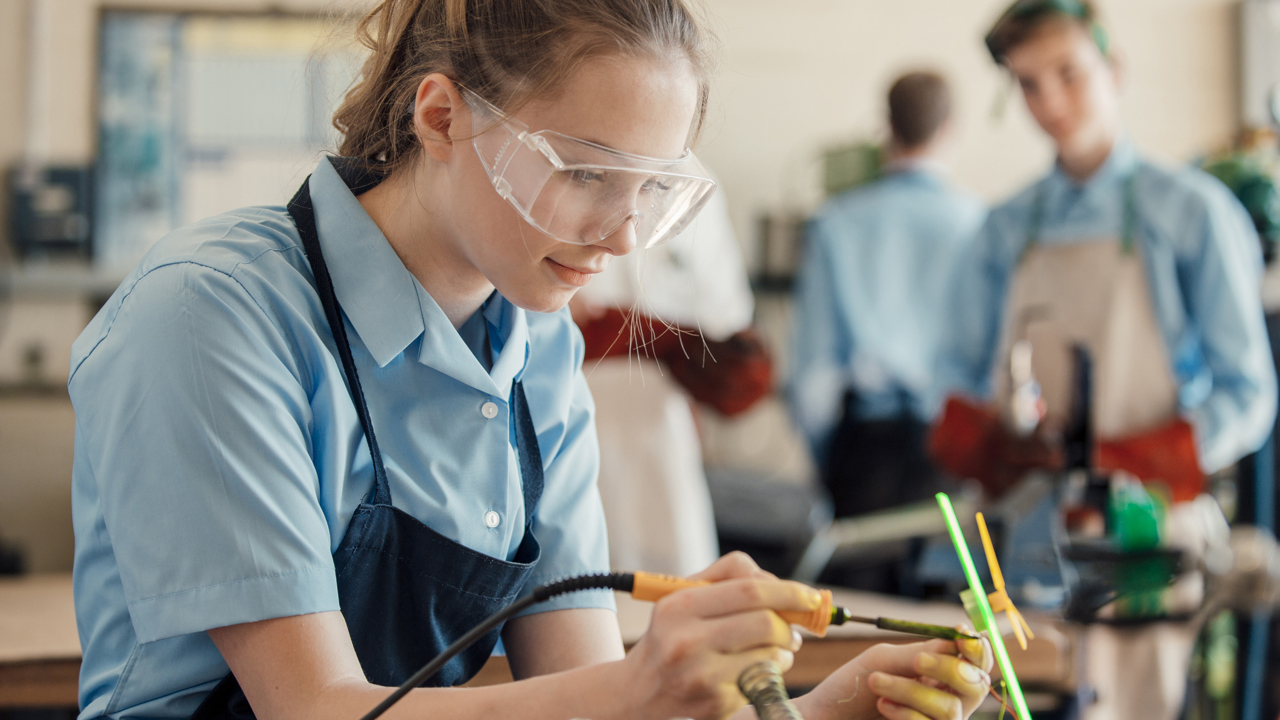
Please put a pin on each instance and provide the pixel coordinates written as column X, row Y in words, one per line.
column 542, row 300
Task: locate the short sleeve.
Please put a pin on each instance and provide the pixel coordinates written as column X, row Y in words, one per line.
column 195, row 425
column 569, row 521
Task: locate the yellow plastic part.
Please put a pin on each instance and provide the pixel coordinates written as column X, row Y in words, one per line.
column 652, row 587
column 1000, row 600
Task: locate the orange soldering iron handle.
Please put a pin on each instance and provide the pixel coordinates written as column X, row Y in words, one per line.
column 652, row 587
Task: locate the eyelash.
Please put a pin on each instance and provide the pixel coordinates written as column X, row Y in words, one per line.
column 583, row 177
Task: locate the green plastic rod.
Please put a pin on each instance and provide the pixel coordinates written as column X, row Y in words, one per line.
column 984, row 608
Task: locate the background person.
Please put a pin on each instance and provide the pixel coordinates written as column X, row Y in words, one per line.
column 870, row 312
column 1154, row 273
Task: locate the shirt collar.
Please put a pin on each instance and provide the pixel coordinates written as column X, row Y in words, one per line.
column 922, row 165
column 444, row 349
column 374, row 288
column 389, row 308
column 1113, row 171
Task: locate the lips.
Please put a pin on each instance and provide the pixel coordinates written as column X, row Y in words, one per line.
column 578, row 277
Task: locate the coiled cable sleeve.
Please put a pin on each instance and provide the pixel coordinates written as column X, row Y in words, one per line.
column 762, row 684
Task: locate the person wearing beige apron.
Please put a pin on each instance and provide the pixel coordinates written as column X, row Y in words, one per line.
column 1154, row 273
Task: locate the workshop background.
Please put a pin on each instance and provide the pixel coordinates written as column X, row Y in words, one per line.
column 794, row 81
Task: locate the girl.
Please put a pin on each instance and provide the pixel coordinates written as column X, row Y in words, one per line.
column 317, row 444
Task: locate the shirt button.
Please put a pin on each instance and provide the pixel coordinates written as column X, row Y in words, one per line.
column 490, row 411
column 491, row 519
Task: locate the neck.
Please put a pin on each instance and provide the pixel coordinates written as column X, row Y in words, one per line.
column 1080, row 164
column 419, row 237
column 899, row 153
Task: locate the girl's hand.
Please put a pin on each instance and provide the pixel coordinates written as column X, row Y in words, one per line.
column 935, row 680
column 702, row 638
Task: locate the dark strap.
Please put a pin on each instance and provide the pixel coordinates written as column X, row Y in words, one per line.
column 531, row 480
column 1128, row 227
column 530, row 455
column 305, row 218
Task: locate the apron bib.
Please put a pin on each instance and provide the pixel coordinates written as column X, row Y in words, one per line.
column 405, row 590
column 1094, row 294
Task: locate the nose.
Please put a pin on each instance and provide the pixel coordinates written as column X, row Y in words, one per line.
column 1053, row 100
column 622, row 240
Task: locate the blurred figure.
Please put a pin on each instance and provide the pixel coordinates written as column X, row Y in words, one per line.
column 663, row 327
column 870, row 310
column 1108, row 318
column 1152, row 273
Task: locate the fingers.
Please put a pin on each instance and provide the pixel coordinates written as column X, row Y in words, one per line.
column 734, row 565
column 912, row 696
column 729, row 597
column 900, row 659
column 751, row 630
column 966, row 679
column 977, row 651
column 733, row 665
column 891, row 710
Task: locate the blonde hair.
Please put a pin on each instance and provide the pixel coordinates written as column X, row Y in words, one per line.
column 507, row 51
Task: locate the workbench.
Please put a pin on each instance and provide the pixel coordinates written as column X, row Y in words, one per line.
column 40, row 650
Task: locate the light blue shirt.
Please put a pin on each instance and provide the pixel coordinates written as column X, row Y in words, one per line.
column 871, row 298
column 219, row 456
column 1204, row 265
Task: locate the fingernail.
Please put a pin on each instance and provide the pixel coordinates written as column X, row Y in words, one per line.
column 926, row 662
column 796, row 640
column 815, row 598
column 971, row 673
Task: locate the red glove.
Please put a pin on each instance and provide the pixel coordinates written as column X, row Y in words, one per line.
column 970, row 441
column 729, row 375
column 1166, row 454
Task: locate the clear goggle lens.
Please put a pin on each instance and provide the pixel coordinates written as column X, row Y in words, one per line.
column 580, row 192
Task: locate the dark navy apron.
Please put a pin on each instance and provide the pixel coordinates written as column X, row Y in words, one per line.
column 405, row 590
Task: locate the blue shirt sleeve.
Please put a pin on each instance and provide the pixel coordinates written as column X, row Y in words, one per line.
column 194, row 419
column 1219, row 271
column 820, row 344
column 569, row 522
column 975, row 310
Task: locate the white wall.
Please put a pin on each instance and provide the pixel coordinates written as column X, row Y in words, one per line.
column 793, row 78
column 798, row 76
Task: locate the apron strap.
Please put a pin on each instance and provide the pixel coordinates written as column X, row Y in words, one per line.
column 530, row 455
column 1128, row 228
column 304, row 217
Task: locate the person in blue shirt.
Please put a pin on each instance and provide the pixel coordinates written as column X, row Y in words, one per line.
column 870, row 310
column 1154, row 272
column 1113, row 299
column 317, row 444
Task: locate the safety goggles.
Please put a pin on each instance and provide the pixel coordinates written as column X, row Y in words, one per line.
column 580, row 192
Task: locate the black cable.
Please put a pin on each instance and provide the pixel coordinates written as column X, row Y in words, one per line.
column 622, row 582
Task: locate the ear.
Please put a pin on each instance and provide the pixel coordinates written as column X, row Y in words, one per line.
column 439, row 116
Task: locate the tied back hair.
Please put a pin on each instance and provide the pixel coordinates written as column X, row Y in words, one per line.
column 507, row 51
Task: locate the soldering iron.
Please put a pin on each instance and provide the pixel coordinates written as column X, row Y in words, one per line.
column 762, row 685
